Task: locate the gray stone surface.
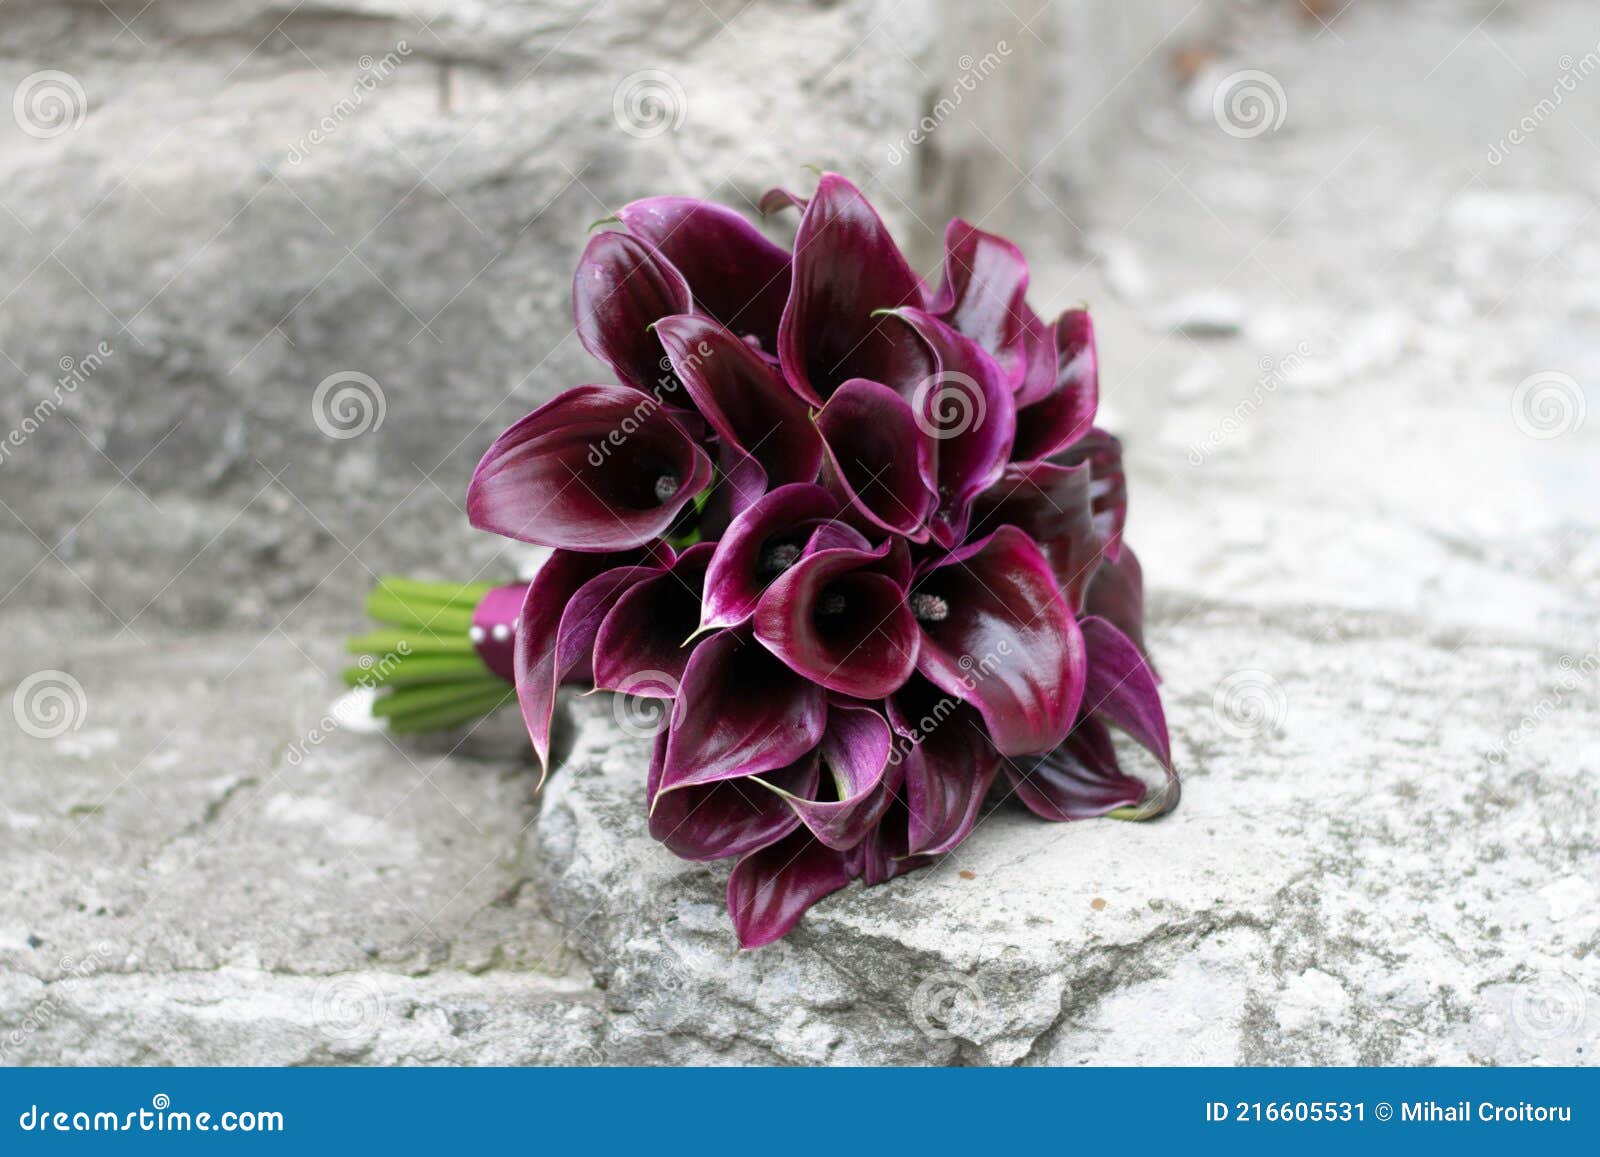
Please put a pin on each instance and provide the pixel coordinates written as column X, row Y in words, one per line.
column 1353, row 357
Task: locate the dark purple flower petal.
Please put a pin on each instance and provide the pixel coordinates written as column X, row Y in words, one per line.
column 949, row 764
column 1078, row 780
column 587, row 609
column 777, row 200
column 997, row 633
column 1121, row 690
column 597, row 468
column 771, row 889
column 879, row 459
column 758, row 546
column 985, row 282
column 1109, row 485
column 857, row 781
column 846, row 268
column 834, row 620
column 739, row 711
column 968, row 411
column 538, row 631
column 744, row 398
column 1117, row 595
column 623, row 286
column 1063, row 414
column 1054, row 506
column 882, row 856
column 1081, row 778
column 729, row 817
column 640, row 647
column 734, row 273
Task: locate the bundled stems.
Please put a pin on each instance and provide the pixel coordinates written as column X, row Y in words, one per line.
column 423, row 662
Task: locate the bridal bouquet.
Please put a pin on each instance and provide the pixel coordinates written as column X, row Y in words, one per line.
column 861, row 533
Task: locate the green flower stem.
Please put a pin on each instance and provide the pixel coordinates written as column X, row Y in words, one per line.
column 421, row 660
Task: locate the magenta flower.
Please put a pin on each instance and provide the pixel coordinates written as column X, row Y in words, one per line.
column 861, row 532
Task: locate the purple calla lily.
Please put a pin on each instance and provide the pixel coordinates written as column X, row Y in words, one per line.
column 734, row 273
column 1056, row 407
column 598, row 468
column 983, row 295
column 862, row 535
column 996, row 632
column 621, row 288
column 758, row 546
column 837, row 619
column 846, row 270
column 739, row 711
column 968, row 412
column 745, row 400
column 879, row 458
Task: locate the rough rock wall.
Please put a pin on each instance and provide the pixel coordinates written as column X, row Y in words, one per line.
column 213, row 210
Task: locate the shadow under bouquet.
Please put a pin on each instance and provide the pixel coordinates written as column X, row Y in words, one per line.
column 861, row 534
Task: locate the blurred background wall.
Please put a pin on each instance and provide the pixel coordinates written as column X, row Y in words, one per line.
column 210, row 208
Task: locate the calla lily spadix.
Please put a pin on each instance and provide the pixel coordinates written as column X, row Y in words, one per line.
column 857, row 533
